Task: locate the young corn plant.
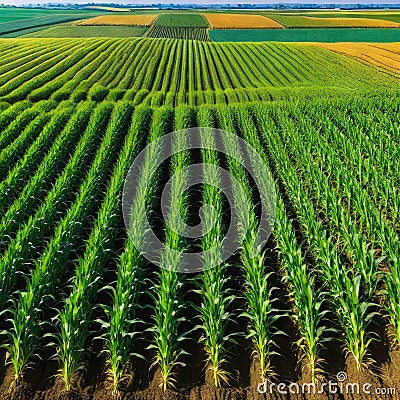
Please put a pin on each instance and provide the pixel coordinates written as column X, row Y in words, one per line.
column 260, row 310
column 353, row 309
column 76, row 315
column 167, row 293
column 370, row 222
column 43, row 175
column 309, row 301
column 28, row 313
column 214, row 291
column 122, row 325
column 393, row 305
column 361, row 286
column 343, row 219
column 167, row 340
column 259, row 294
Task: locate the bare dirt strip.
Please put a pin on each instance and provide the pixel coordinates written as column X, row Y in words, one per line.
column 43, row 384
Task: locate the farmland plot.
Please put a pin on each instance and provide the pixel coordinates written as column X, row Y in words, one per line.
column 185, row 33
column 182, row 20
column 12, row 21
column 295, row 164
column 81, row 31
column 306, row 21
column 98, row 143
column 238, row 21
column 130, row 20
column 208, row 72
column 386, row 56
column 180, row 26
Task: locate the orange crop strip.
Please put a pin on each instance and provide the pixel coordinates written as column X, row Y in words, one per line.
column 240, row 21
column 385, row 56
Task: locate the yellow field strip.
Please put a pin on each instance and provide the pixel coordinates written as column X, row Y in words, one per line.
column 382, row 55
column 393, row 47
column 356, row 22
column 240, row 21
column 104, row 8
column 132, row 20
column 352, row 12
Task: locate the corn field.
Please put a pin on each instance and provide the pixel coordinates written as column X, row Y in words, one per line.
column 146, row 72
column 80, row 304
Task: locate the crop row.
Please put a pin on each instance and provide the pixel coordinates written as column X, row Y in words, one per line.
column 186, row 33
column 146, row 71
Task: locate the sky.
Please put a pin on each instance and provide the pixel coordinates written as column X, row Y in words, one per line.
column 21, row 2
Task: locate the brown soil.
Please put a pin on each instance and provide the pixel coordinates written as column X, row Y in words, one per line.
column 391, row 370
column 144, row 385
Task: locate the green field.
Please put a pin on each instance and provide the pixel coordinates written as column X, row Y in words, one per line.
column 157, row 31
column 293, row 21
column 51, row 69
column 180, row 26
column 88, row 31
column 331, row 35
column 181, row 20
column 26, row 31
column 17, row 14
column 23, row 20
column 84, row 315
